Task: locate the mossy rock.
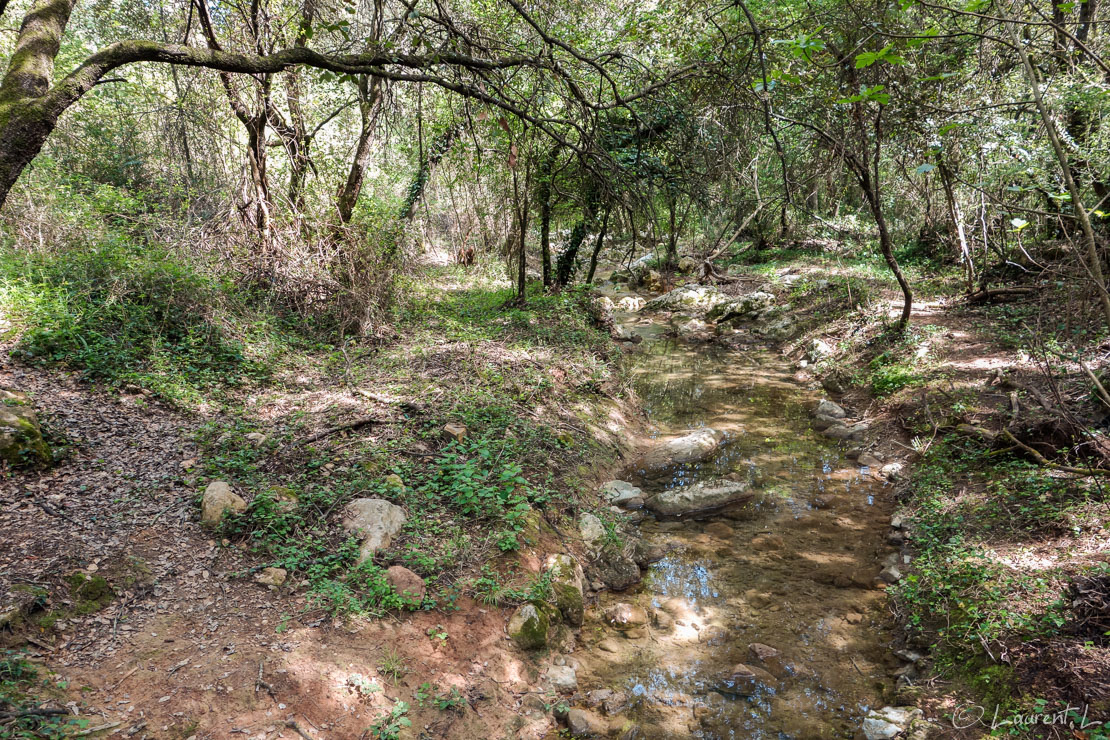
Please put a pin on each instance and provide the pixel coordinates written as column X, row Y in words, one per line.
column 532, row 526
column 91, row 593
column 530, row 625
column 566, row 586
column 21, row 442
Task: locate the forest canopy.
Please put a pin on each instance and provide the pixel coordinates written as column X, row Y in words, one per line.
column 545, row 133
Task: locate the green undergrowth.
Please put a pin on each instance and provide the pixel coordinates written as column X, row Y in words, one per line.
column 977, row 584
column 23, row 686
column 526, row 381
column 130, row 313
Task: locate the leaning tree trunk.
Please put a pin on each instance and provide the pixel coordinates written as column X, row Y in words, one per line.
column 369, row 102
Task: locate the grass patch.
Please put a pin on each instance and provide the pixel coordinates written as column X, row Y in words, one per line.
column 981, row 583
column 21, row 688
column 128, row 313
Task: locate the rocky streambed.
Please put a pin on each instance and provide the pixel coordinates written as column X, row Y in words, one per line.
column 761, row 613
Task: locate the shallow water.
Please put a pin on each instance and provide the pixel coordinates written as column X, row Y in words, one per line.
column 794, row 569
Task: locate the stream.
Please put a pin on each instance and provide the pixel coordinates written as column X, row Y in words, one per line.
column 794, row 569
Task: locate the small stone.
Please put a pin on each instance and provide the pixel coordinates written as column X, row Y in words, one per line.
column 454, row 432
column 744, row 680
column 892, row 471
column 591, row 529
column 828, row 408
column 619, row 491
column 608, row 646
column 407, row 584
column 853, row 618
column 910, row 656
column 617, row 569
column 769, row 658
column 270, row 577
column 821, row 422
column 867, row 460
column 583, row 723
column 562, row 678
column 888, row 722
column 719, row 529
column 219, row 498
column 394, row 483
column 625, row 616
column 567, row 585
column 764, row 542
column 890, row 574
column 529, row 627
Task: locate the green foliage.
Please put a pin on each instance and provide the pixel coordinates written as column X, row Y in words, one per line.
column 124, row 313
column 20, row 683
column 392, row 724
column 964, row 502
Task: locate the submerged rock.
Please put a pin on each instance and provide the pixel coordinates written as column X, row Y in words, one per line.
column 745, row 680
column 701, row 498
column 584, row 723
column 631, row 303
column 21, row 441
column 375, row 521
column 617, row 569
column 624, row 616
column 693, row 447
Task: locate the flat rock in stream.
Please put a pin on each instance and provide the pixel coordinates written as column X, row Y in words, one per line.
column 691, row 448
column 699, row 499
column 688, row 298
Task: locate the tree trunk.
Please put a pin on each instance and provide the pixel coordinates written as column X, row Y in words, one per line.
column 1093, row 264
column 598, row 245
column 887, row 248
column 957, row 221
column 369, row 103
column 566, row 263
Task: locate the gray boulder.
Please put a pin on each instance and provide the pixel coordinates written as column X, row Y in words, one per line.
column 888, row 722
column 689, row 299
column 705, row 497
column 694, row 447
column 745, row 307
column 375, row 522
column 617, row 492
column 830, row 409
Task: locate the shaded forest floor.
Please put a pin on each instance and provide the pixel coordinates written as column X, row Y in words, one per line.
column 145, row 622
